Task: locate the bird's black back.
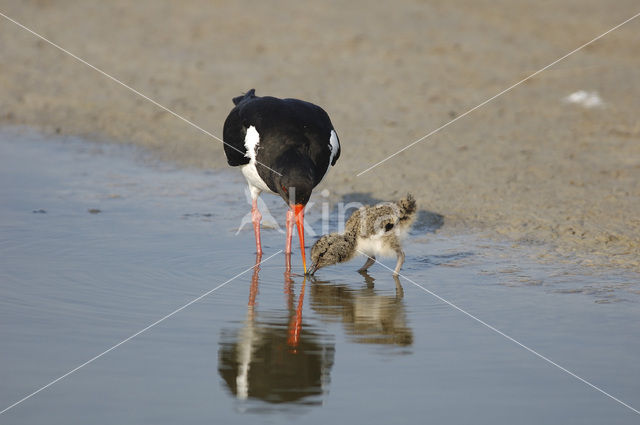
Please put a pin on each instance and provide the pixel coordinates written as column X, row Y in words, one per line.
column 287, row 128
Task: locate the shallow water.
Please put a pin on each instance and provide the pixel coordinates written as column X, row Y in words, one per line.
column 97, row 242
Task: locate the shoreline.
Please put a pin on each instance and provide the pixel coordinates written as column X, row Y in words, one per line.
column 429, row 225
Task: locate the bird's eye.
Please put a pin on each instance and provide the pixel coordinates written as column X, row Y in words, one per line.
column 284, row 189
column 388, row 227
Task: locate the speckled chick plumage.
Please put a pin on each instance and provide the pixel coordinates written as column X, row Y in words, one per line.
column 375, row 230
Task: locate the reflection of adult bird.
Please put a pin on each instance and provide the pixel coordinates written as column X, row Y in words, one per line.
column 275, row 360
column 285, row 147
column 370, row 317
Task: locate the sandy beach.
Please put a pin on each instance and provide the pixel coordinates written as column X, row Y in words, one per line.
column 528, row 166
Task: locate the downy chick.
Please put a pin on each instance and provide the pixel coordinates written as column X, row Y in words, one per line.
column 375, row 230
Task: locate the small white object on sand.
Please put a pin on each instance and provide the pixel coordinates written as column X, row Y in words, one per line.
column 588, row 99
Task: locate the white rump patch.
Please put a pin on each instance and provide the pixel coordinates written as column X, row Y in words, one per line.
column 251, row 142
column 256, row 184
column 334, row 145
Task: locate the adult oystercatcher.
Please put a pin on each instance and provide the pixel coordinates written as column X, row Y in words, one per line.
column 285, row 147
column 371, row 230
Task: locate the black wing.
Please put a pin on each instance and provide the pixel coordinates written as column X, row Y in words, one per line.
column 317, row 131
column 235, row 131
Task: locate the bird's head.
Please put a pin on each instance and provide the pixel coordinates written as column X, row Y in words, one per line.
column 295, row 190
column 329, row 250
column 295, row 177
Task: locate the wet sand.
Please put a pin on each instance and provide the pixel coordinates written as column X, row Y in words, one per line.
column 527, row 168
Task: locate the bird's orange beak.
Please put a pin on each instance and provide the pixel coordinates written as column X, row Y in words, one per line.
column 298, row 211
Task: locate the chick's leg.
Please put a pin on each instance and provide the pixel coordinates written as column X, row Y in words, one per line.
column 399, row 263
column 367, row 264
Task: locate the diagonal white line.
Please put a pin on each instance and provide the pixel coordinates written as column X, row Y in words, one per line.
column 499, row 94
column 499, row 332
column 208, row 133
column 136, row 334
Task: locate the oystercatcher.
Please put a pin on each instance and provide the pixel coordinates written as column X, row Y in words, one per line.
column 284, row 147
column 371, row 230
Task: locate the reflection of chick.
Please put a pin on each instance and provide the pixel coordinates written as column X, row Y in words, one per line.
column 373, row 230
column 371, row 318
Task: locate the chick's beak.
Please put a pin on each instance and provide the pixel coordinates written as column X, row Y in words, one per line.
column 312, row 269
column 298, row 211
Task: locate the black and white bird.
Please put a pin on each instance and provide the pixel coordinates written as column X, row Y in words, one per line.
column 376, row 230
column 284, row 147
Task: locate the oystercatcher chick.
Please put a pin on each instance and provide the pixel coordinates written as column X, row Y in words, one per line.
column 375, row 230
column 284, row 147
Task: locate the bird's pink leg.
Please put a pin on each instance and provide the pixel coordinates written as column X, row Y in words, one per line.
column 290, row 222
column 256, row 217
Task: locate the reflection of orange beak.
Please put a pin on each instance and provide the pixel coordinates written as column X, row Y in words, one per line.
column 295, row 325
column 298, row 211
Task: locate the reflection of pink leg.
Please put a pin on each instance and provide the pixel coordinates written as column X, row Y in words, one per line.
column 290, row 222
column 256, row 217
column 288, row 284
column 253, row 291
column 287, row 265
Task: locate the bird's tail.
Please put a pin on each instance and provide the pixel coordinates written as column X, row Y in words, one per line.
column 248, row 95
column 408, row 208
